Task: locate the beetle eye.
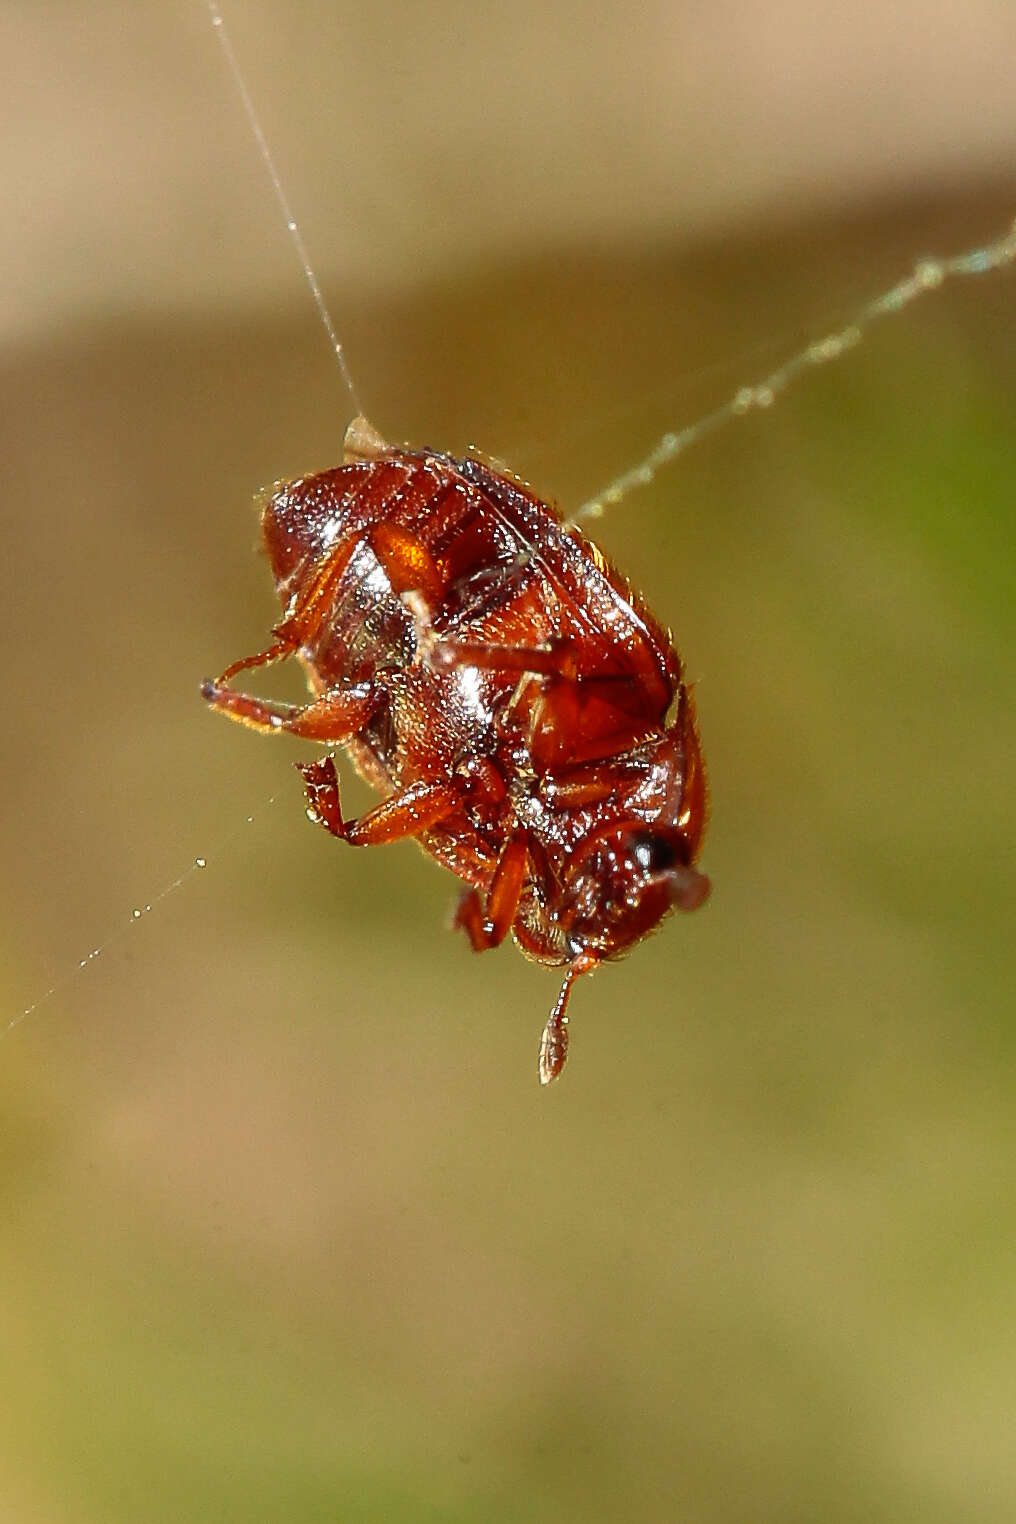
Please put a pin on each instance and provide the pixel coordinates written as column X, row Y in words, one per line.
column 654, row 854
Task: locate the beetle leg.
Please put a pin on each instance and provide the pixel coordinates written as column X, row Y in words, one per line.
column 694, row 790
column 554, row 711
column 406, row 562
column 590, row 783
column 555, row 659
column 274, row 653
column 487, row 926
column 404, row 814
column 471, row 918
column 334, row 717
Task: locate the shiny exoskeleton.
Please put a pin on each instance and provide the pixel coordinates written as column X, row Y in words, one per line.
column 500, row 683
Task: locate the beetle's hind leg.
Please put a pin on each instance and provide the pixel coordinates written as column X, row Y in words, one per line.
column 404, row 814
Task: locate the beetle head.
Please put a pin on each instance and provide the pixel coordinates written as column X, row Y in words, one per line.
column 622, row 881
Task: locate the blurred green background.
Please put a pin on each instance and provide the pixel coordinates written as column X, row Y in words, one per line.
column 288, row 1230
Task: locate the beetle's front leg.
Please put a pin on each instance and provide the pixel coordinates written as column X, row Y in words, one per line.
column 487, row 925
column 334, row 717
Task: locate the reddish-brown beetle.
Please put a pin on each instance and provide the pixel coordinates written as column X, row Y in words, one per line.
column 499, row 681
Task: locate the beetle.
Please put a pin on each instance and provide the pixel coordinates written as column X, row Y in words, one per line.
column 500, row 682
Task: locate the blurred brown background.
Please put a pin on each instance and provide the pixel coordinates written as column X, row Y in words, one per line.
column 288, row 1231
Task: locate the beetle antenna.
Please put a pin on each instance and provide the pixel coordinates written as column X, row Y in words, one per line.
column 554, row 1041
column 292, row 225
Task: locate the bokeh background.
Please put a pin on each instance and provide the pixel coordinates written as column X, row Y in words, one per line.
column 288, row 1231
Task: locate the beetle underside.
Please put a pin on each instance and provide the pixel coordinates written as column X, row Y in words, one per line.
column 498, row 680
